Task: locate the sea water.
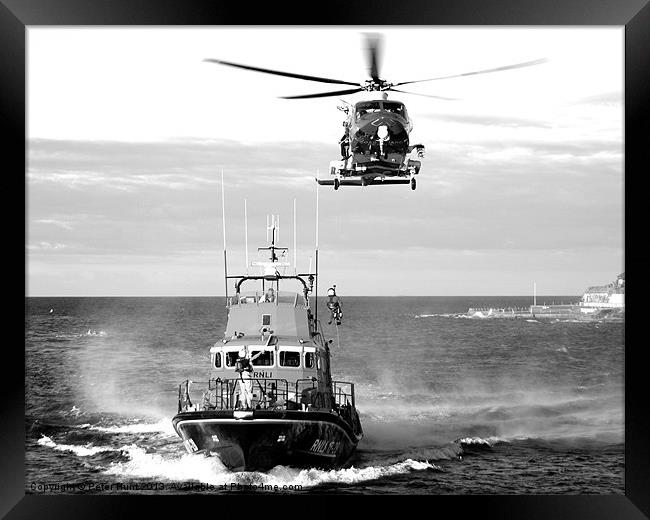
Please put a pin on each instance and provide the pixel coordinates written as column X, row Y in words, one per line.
column 448, row 404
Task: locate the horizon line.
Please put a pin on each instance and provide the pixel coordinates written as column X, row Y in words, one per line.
column 322, row 295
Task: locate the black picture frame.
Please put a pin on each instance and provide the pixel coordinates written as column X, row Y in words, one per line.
column 17, row 15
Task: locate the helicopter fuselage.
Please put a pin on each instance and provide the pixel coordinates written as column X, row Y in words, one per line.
column 375, row 146
column 376, row 129
column 376, row 140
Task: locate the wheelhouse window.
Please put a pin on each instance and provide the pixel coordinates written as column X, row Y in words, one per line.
column 264, row 360
column 231, row 358
column 289, row 359
column 217, row 360
column 266, row 319
column 309, row 360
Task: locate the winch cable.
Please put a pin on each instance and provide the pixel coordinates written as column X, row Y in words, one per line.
column 338, row 338
column 338, row 234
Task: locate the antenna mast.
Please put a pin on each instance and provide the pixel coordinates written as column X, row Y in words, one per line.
column 316, row 283
column 295, row 252
column 246, row 232
column 223, row 219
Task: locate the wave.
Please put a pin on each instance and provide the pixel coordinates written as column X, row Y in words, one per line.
column 100, row 333
column 66, row 336
column 480, row 441
column 73, row 412
column 81, row 451
column 447, row 452
column 443, row 315
column 210, row 470
column 314, row 477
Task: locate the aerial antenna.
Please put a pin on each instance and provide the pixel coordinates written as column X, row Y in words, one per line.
column 295, row 252
column 246, row 233
column 267, row 227
column 534, row 293
column 223, row 219
column 316, row 252
column 273, row 229
column 317, row 174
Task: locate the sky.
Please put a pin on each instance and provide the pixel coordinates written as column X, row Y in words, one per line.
column 128, row 131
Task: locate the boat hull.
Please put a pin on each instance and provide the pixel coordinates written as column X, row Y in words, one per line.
column 260, row 440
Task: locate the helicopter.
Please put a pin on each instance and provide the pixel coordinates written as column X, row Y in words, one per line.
column 375, row 145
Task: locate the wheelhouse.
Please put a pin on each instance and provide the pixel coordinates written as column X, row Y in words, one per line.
column 280, row 358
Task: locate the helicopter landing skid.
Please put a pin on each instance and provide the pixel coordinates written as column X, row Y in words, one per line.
column 362, row 182
column 370, row 173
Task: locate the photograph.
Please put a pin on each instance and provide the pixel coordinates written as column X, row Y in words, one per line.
column 325, row 260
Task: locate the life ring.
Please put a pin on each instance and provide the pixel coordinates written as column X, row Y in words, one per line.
column 265, row 330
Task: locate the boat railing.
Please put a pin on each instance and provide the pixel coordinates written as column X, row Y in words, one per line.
column 343, row 393
column 256, row 297
column 228, row 394
column 267, row 394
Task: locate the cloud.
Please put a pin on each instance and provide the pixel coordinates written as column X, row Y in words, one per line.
column 45, row 246
column 54, row 222
column 614, row 98
column 76, row 180
column 115, row 202
column 489, row 120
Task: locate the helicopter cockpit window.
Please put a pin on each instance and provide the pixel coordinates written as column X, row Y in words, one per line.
column 366, row 107
column 394, row 106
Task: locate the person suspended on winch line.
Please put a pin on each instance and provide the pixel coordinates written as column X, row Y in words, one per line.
column 334, row 305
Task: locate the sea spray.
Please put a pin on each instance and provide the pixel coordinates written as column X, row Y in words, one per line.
column 210, row 470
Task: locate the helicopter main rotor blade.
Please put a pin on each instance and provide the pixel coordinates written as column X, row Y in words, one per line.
column 424, row 95
column 496, row 69
column 280, row 73
column 373, row 47
column 324, row 94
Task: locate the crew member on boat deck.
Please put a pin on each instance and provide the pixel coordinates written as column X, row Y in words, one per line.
column 271, row 396
column 244, row 367
column 269, row 296
column 334, row 305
